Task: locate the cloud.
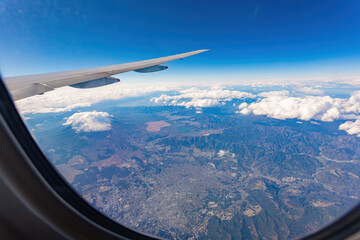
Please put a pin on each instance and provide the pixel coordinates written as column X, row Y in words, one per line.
column 310, row 90
column 274, row 93
column 243, row 105
column 351, row 127
column 199, row 110
column 89, row 121
column 281, row 105
column 195, row 97
column 223, row 153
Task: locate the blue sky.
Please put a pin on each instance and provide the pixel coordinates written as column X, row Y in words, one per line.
column 249, row 39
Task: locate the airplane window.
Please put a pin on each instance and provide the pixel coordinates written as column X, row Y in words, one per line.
column 257, row 138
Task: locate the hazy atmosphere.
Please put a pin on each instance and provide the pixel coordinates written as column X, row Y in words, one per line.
column 258, row 138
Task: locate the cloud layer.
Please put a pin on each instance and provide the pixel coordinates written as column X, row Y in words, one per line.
column 67, row 98
column 89, row 121
column 306, row 102
column 195, row 97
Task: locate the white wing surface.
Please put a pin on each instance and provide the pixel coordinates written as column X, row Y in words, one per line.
column 26, row 86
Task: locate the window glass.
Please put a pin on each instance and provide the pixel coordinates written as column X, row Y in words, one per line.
column 257, row 138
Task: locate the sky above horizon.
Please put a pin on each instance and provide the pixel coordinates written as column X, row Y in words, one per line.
column 249, row 39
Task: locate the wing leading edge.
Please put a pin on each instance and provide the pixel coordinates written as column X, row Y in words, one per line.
column 26, row 86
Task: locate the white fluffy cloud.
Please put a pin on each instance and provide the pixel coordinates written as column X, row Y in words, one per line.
column 195, row 97
column 351, row 127
column 89, row 121
column 223, row 153
column 281, row 105
column 310, row 90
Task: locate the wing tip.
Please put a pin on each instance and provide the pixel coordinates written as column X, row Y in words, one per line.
column 203, row 50
column 198, row 51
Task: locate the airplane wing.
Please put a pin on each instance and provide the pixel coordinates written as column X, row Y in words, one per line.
column 26, row 86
